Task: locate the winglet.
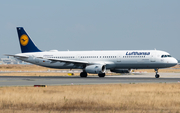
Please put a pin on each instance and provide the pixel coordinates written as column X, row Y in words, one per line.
column 26, row 43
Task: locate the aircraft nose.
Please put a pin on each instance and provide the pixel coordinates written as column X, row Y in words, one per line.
column 174, row 61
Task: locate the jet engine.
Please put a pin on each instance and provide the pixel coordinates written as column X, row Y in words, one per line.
column 95, row 69
column 121, row 70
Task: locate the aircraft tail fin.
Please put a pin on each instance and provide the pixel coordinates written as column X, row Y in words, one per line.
column 26, row 43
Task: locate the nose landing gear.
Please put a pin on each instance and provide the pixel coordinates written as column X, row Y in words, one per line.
column 157, row 75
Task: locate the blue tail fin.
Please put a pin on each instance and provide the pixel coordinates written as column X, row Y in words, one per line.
column 26, row 43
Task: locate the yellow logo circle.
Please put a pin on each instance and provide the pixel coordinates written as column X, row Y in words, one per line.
column 24, row 40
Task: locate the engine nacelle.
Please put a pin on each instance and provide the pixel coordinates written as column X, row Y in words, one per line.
column 95, row 69
column 121, row 70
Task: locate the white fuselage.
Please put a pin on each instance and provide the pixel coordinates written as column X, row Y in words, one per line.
column 125, row 59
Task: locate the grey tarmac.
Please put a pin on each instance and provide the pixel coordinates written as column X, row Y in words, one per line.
column 76, row 80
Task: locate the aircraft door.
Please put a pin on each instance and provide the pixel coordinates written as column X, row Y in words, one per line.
column 153, row 57
column 118, row 58
column 78, row 57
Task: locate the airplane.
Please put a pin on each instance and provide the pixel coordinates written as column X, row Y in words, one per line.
column 94, row 62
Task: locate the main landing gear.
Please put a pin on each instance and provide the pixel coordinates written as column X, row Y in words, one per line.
column 102, row 75
column 83, row 74
column 157, row 75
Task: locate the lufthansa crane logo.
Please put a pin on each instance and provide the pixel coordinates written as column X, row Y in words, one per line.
column 24, row 40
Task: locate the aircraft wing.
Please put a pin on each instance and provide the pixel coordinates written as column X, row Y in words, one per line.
column 79, row 62
column 69, row 61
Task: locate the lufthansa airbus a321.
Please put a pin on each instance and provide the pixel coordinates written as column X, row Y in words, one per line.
column 95, row 62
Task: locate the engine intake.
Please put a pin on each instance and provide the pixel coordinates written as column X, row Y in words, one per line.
column 95, row 69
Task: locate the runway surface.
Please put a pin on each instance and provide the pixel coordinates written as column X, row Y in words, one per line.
column 76, row 80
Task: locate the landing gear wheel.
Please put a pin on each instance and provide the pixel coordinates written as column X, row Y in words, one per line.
column 157, row 75
column 83, row 74
column 102, row 75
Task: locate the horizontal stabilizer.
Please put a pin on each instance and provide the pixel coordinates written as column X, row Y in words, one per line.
column 21, row 56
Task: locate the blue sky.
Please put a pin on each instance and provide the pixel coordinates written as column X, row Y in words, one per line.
column 92, row 25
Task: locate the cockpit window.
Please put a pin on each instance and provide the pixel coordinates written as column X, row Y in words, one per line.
column 163, row 56
column 169, row 55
